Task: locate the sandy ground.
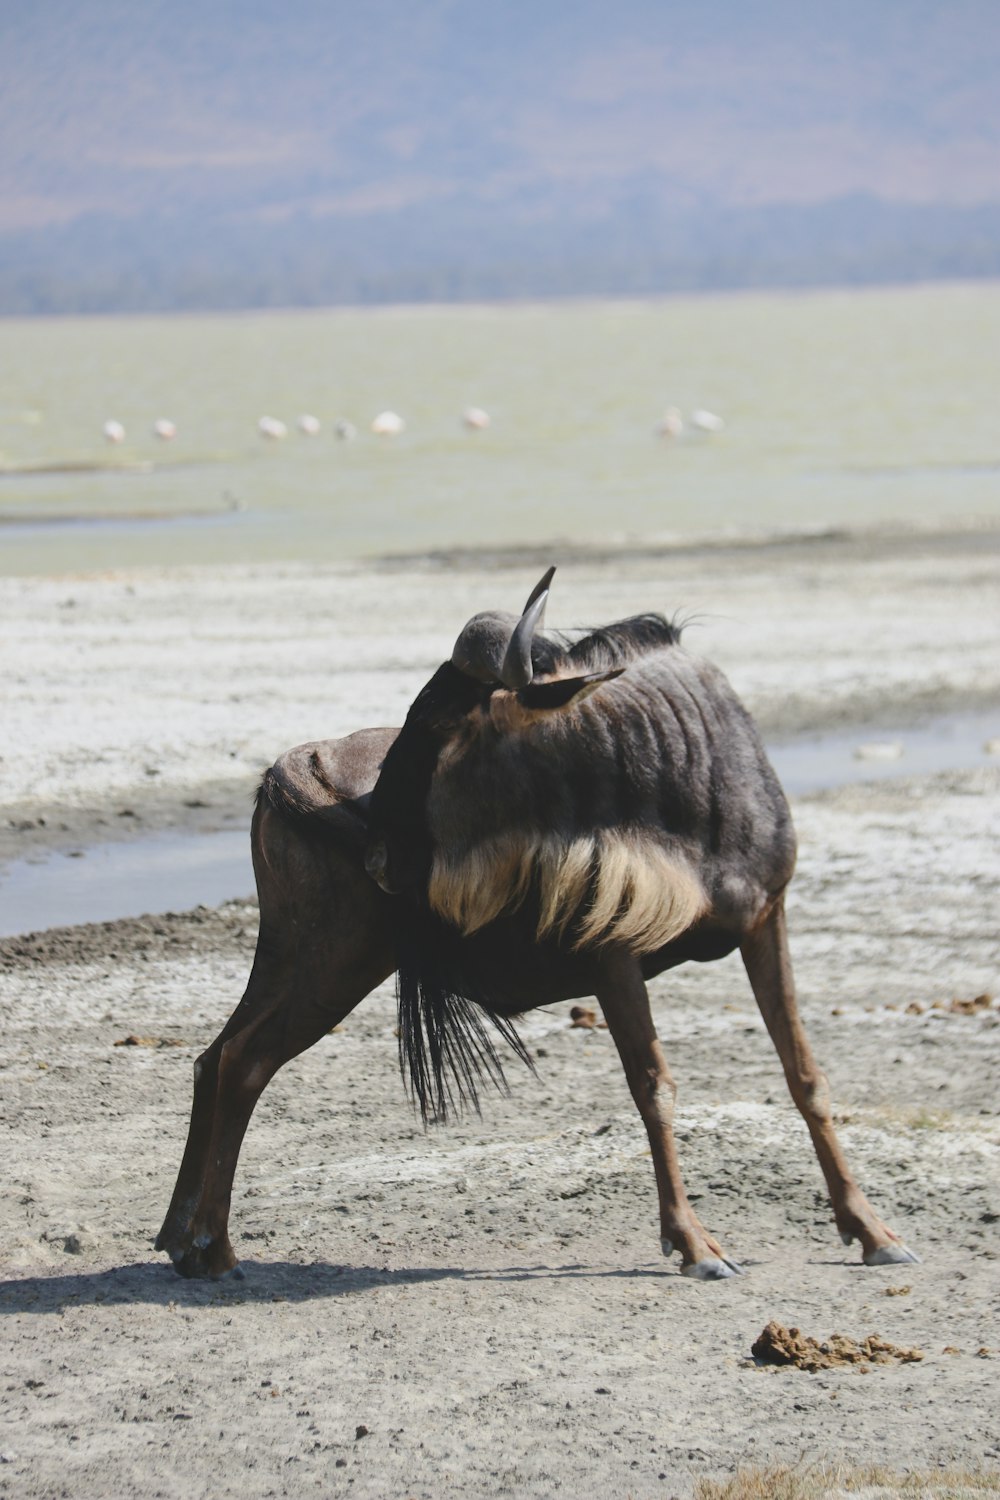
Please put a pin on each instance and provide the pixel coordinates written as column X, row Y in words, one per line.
column 482, row 1310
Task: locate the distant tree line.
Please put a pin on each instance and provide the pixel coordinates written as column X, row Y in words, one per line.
column 200, row 261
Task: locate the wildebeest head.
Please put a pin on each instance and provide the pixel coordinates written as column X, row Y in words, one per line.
column 503, row 677
column 501, row 651
column 490, row 685
column 509, row 808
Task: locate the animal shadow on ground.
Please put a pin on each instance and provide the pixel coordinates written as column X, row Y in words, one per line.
column 276, row 1281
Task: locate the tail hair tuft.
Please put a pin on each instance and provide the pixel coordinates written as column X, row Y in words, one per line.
column 446, row 1052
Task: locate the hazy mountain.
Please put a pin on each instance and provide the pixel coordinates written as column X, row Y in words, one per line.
column 229, row 152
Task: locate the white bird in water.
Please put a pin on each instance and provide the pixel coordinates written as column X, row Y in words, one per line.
column 114, row 431
column 706, row 421
column 270, row 427
column 345, row 430
column 879, row 750
column 309, row 425
column 388, row 424
column 671, row 424
column 165, row 429
column 475, row 418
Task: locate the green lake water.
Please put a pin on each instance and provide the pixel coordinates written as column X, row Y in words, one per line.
column 841, row 409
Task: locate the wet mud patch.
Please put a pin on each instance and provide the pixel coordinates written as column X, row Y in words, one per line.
column 169, row 935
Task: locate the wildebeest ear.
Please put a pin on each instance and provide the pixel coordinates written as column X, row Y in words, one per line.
column 563, row 692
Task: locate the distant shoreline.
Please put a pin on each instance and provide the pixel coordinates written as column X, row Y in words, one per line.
column 888, row 535
column 527, row 301
column 512, row 555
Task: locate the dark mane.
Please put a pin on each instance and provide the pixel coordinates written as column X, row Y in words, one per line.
column 609, row 646
column 623, row 641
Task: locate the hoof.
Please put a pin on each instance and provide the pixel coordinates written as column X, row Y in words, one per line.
column 194, row 1267
column 211, row 1261
column 712, row 1268
column 891, row 1255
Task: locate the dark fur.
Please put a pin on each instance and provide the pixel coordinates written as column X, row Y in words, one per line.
column 447, row 984
column 445, row 1051
column 343, row 821
column 282, row 799
column 398, row 803
column 618, row 644
column 444, row 1048
column 656, row 780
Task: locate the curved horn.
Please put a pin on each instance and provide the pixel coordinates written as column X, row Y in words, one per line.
column 541, row 587
column 517, row 670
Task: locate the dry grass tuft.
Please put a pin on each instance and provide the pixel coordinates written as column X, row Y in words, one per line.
column 892, row 1117
column 867, row 1482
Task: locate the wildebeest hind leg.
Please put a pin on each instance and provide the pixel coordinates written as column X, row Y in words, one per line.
column 623, row 998
column 324, row 944
column 278, row 1018
column 765, row 953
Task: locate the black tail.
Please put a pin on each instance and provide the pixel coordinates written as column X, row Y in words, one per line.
column 445, row 1051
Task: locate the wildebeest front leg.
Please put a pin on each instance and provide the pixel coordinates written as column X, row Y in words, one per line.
column 623, row 998
column 765, row 953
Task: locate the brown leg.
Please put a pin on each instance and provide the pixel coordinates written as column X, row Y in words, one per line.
column 324, row 944
column 765, row 953
column 623, row 998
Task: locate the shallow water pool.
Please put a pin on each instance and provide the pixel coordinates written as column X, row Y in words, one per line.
column 178, row 871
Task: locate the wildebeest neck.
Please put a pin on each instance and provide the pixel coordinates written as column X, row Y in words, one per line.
column 398, row 808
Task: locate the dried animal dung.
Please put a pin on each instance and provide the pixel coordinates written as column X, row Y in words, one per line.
column 778, row 1345
column 585, row 1017
column 971, row 1007
column 149, row 1041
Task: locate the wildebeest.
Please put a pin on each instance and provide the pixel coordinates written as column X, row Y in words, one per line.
column 558, row 817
